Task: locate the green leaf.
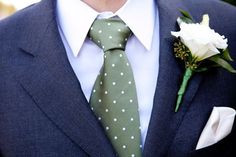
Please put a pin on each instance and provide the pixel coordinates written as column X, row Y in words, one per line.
column 224, row 64
column 225, row 55
column 202, row 69
column 185, row 20
column 186, row 14
column 207, row 67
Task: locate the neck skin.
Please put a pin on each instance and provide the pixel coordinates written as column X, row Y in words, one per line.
column 105, row 5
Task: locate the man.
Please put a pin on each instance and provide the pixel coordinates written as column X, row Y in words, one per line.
column 49, row 65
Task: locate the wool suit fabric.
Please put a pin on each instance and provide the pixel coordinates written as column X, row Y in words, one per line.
column 44, row 113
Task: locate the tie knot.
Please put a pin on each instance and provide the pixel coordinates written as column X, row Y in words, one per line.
column 109, row 33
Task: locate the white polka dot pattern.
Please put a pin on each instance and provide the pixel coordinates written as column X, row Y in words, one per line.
column 114, row 99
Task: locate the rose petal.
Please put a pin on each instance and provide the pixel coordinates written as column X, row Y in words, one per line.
column 205, row 20
column 202, row 41
column 206, row 52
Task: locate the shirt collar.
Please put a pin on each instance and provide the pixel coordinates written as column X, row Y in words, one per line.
column 75, row 18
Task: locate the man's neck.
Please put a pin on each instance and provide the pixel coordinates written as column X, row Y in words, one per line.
column 105, row 5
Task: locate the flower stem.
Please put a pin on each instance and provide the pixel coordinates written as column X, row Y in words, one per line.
column 187, row 75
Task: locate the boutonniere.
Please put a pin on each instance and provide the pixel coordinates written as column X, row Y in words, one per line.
column 200, row 47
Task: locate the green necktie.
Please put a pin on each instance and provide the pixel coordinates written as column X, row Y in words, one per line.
column 114, row 99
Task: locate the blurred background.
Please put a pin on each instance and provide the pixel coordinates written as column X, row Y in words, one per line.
column 7, row 7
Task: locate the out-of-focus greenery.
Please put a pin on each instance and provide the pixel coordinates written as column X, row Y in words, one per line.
column 231, row 2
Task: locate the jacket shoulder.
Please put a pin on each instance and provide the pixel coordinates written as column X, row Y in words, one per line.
column 214, row 7
column 25, row 25
column 26, row 19
column 15, row 21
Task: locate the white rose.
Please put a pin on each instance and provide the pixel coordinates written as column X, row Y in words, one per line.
column 202, row 41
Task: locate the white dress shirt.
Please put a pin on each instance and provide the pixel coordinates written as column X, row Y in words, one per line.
column 86, row 58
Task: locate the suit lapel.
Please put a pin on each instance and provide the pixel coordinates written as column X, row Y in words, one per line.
column 164, row 121
column 45, row 73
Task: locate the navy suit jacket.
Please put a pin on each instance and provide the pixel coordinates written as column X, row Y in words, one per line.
column 43, row 112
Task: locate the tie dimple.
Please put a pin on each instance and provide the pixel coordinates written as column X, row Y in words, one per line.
column 109, row 34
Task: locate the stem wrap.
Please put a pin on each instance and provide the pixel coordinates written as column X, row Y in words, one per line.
column 187, row 75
